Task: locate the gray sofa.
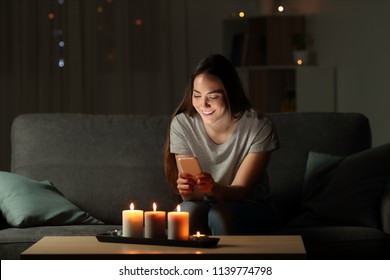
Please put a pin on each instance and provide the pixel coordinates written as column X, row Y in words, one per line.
column 101, row 163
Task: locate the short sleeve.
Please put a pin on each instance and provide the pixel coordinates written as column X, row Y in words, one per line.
column 266, row 138
column 178, row 142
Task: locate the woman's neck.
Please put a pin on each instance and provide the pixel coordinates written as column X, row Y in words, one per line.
column 220, row 132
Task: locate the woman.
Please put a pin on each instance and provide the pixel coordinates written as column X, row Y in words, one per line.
column 233, row 143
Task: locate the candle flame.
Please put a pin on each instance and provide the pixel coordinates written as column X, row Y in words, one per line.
column 154, row 206
column 132, row 206
column 178, row 208
column 197, row 234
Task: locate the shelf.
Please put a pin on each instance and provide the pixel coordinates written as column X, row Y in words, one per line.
column 262, row 50
column 290, row 88
column 264, row 40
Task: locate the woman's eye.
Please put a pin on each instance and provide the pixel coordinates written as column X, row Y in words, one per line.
column 213, row 96
column 196, row 96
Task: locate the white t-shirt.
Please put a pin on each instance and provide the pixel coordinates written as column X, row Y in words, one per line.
column 254, row 133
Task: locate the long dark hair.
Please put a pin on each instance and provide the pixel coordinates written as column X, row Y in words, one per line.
column 235, row 98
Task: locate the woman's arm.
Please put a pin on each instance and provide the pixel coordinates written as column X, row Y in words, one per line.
column 250, row 171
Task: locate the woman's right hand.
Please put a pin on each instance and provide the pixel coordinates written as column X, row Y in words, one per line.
column 185, row 184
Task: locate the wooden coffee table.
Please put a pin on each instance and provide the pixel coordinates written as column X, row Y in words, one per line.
column 229, row 247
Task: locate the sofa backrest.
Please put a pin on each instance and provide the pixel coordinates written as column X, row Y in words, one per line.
column 332, row 133
column 103, row 162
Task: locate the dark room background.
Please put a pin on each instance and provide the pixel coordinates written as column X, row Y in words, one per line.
column 134, row 56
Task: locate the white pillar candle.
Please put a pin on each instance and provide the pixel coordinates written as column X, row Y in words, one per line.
column 155, row 223
column 178, row 225
column 132, row 222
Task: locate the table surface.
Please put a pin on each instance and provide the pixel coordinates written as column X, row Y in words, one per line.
column 229, row 247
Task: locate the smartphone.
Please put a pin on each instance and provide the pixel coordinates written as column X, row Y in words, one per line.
column 189, row 165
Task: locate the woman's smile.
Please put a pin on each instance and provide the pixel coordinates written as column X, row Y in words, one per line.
column 208, row 113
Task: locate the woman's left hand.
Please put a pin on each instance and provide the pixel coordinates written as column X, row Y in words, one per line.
column 205, row 183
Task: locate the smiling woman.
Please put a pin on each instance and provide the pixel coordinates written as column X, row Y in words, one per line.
column 233, row 144
column 209, row 101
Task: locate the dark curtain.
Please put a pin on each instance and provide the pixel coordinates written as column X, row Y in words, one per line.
column 83, row 56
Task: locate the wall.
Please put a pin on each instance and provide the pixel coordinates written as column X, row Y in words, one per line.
column 352, row 35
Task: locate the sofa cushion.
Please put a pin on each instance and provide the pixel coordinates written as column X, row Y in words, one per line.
column 339, row 242
column 27, row 203
column 345, row 190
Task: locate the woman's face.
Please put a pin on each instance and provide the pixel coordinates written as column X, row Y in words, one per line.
column 208, row 99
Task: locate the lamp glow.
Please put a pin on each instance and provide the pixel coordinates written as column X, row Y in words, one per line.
column 61, row 63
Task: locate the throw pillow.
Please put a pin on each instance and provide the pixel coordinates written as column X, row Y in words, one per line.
column 345, row 190
column 27, row 203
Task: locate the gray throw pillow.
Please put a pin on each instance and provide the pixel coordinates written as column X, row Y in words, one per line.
column 27, row 203
column 345, row 190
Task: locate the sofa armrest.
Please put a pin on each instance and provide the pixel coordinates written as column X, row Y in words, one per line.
column 385, row 209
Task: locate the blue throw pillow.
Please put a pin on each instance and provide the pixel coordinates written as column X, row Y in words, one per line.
column 27, row 203
column 345, row 190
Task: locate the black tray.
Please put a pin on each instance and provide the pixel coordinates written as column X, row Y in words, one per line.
column 208, row 242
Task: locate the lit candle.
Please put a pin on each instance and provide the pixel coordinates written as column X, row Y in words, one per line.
column 178, row 225
column 155, row 223
column 132, row 222
column 199, row 236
